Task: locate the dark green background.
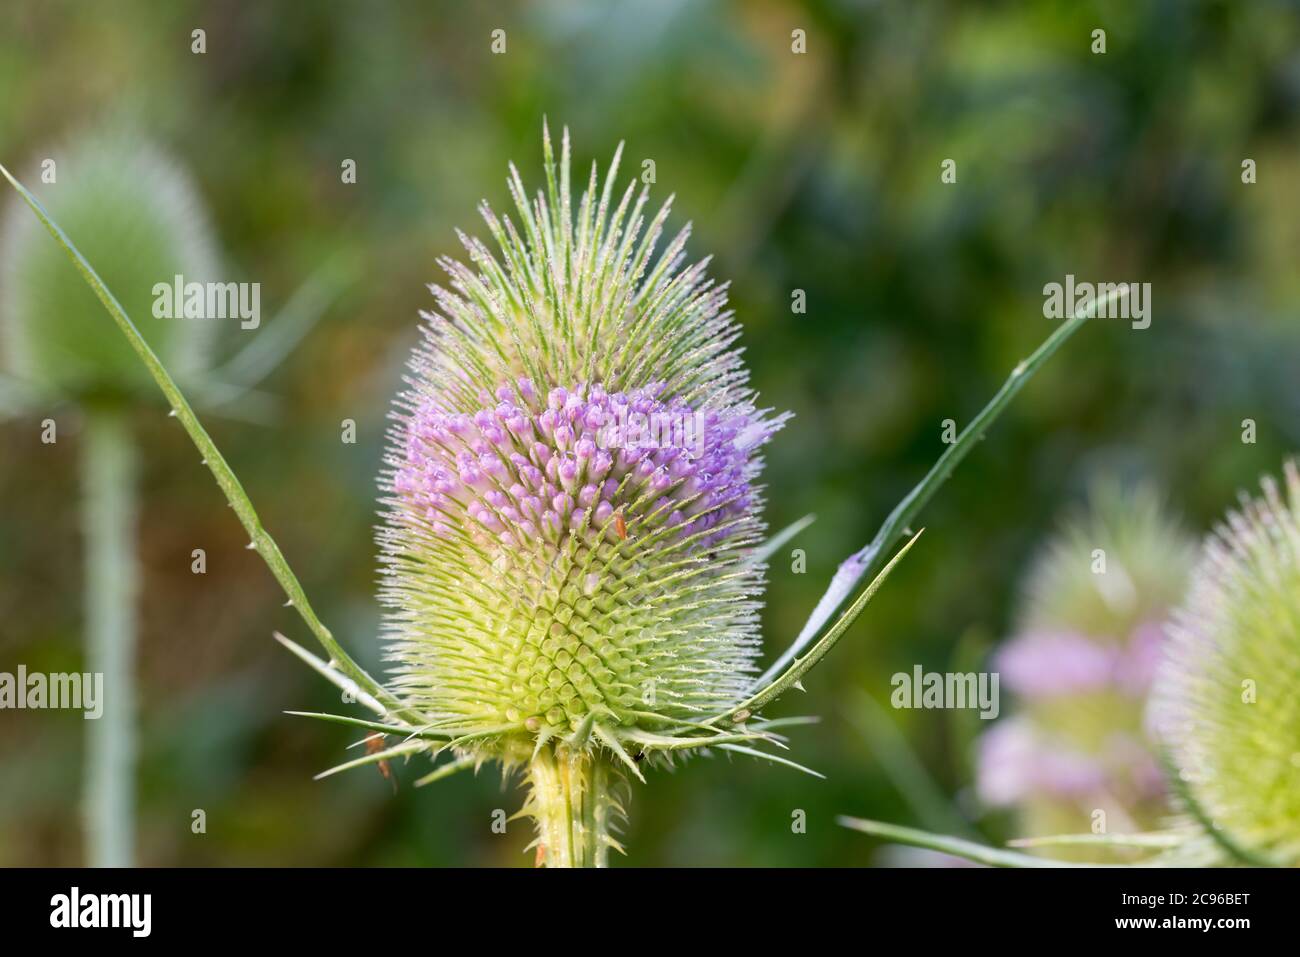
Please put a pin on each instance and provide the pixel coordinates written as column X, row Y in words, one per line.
column 818, row 172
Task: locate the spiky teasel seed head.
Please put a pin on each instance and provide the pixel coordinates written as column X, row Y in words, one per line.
column 1227, row 699
column 136, row 216
column 1081, row 665
column 571, row 488
column 1121, row 563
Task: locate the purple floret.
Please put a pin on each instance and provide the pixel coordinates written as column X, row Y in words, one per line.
column 525, row 466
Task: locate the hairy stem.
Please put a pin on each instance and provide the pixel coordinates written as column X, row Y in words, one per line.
column 108, row 496
column 571, row 802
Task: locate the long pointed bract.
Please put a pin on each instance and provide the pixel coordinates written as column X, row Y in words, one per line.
column 261, row 540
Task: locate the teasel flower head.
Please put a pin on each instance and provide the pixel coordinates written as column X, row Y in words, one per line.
column 1081, row 665
column 1227, row 699
column 571, row 502
column 138, row 217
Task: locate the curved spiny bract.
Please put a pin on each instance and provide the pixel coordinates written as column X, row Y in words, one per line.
column 570, row 494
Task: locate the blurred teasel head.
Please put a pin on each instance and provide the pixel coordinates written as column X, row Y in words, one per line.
column 1227, row 700
column 1081, row 665
column 138, row 217
column 571, row 502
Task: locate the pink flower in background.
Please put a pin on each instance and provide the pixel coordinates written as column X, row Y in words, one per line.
column 1081, row 666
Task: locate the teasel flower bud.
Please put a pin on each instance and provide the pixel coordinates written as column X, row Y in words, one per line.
column 571, row 502
column 1081, row 665
column 1227, row 699
column 138, row 217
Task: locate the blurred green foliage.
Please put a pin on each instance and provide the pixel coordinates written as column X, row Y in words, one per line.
column 818, row 172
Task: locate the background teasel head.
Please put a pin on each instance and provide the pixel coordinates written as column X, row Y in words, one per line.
column 571, row 502
column 1227, row 700
column 1081, row 664
column 138, row 217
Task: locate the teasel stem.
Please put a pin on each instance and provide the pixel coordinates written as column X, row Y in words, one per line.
column 572, row 802
column 109, row 518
